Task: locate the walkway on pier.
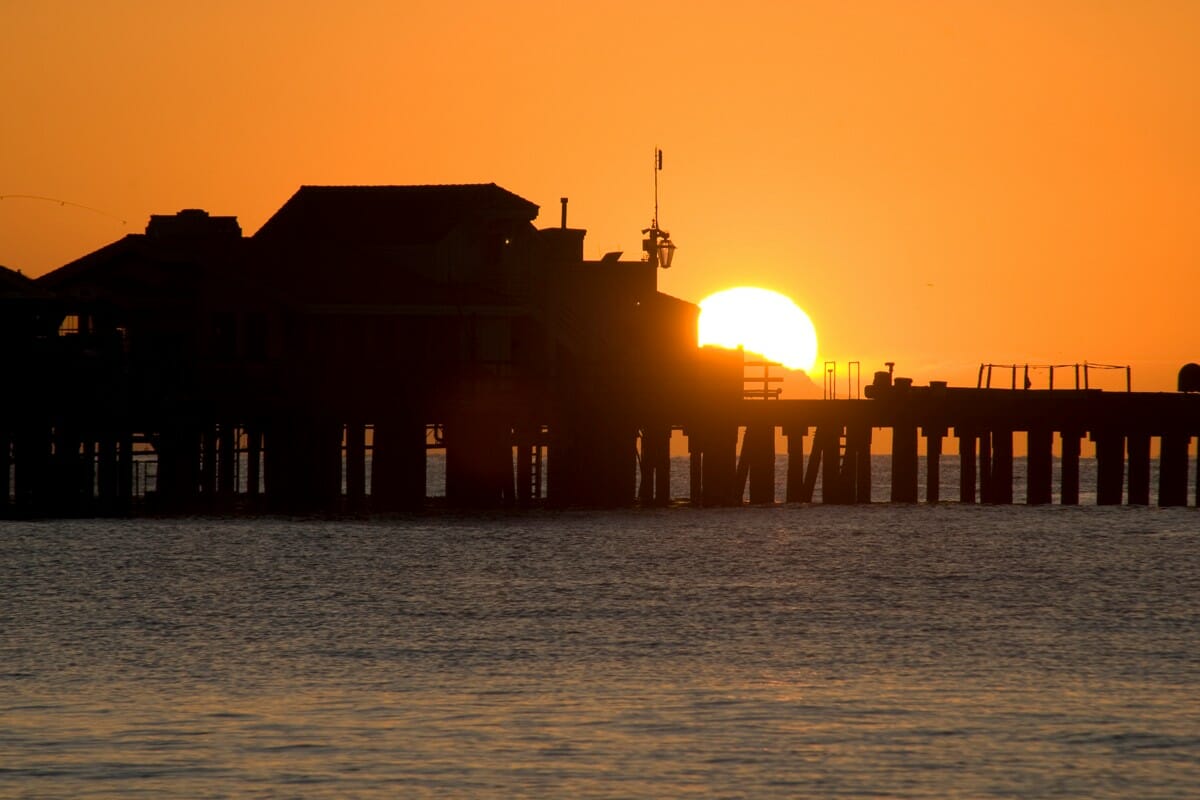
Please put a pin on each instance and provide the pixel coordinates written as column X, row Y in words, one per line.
column 1121, row 424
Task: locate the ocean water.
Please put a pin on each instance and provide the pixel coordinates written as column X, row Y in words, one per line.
column 792, row 651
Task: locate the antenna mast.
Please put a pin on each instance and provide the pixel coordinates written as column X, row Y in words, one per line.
column 657, row 246
column 657, row 169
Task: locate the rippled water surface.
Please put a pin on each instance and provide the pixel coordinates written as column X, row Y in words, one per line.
column 781, row 652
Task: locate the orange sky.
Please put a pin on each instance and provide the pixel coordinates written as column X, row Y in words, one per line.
column 936, row 183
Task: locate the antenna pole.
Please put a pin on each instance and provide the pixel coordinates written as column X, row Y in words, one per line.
column 657, row 167
column 657, row 247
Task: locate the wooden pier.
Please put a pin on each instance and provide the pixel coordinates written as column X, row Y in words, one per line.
column 1122, row 425
column 609, row 457
column 313, row 366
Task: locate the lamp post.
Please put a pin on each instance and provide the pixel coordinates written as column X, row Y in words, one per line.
column 657, row 246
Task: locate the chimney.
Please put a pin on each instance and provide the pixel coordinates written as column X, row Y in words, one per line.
column 563, row 200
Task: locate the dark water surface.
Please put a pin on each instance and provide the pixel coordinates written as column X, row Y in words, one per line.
column 881, row 651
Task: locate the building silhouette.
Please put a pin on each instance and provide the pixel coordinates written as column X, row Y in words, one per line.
column 311, row 366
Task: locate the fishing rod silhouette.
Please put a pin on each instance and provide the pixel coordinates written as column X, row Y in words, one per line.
column 61, row 203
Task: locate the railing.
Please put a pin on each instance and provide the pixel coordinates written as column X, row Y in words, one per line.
column 766, row 392
column 853, row 380
column 984, row 380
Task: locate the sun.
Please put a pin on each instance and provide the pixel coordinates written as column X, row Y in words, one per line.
column 763, row 322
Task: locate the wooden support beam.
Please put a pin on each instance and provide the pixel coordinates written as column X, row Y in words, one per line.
column 794, row 490
column 107, row 469
column 254, row 440
column 742, row 474
column 398, row 463
column 831, row 468
column 819, row 448
column 720, row 466
column 1002, row 467
column 1069, row 480
column 967, row 439
column 696, row 470
column 1173, row 469
column 1139, row 468
column 1110, row 466
column 904, row 464
column 654, row 487
column 178, row 467
column 760, row 439
column 226, row 458
column 88, row 471
column 208, row 461
column 1039, row 477
column 5, row 470
column 662, row 471
column 356, row 465
column 125, row 466
column 858, row 478
column 933, row 464
column 985, row 467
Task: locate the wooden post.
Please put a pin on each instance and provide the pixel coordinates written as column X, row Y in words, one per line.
column 1070, row 468
column 398, row 464
column 5, row 470
column 479, row 472
column 88, row 471
column 655, row 485
column 966, row 460
column 904, row 463
column 831, row 472
column 819, row 448
column 356, row 464
column 1173, row 469
column 933, row 465
column 107, row 468
column 696, row 470
column 662, row 472
column 742, row 474
column 1040, row 472
column 226, row 459
column 720, row 467
column 795, row 469
column 525, row 457
column 1002, row 466
column 858, row 441
column 254, row 439
column 66, row 477
column 208, row 463
column 1139, row 468
column 1110, row 466
column 645, row 478
column 986, row 492
column 125, row 471
column 178, row 467
column 761, row 441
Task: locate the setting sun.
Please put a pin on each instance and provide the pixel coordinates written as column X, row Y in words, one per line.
column 763, row 322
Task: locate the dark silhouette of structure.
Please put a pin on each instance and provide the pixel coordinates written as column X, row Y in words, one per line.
column 358, row 326
column 311, row 366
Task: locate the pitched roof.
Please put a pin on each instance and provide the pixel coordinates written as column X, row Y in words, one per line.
column 367, row 215
column 15, row 286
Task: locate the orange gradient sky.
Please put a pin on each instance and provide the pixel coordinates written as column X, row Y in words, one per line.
column 936, row 183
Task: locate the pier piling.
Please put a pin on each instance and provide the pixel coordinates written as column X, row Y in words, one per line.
column 1138, row 445
column 1039, row 470
column 1110, row 466
column 1173, row 470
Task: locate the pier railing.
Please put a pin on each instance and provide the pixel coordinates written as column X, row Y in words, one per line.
column 1081, row 369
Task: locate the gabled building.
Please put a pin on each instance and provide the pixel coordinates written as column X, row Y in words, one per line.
column 360, row 326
